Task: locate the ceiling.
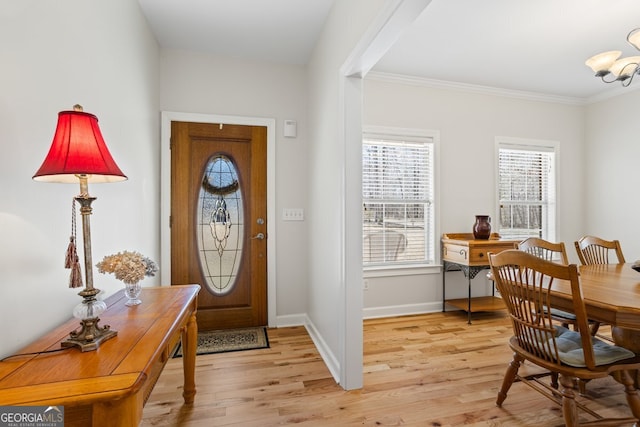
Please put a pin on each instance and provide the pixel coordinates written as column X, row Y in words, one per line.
column 281, row 31
column 524, row 45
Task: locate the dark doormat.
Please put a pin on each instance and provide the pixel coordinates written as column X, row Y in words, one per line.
column 223, row 341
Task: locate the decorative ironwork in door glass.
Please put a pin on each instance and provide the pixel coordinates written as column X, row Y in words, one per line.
column 220, row 224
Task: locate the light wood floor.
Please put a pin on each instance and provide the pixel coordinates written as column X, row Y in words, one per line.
column 427, row 370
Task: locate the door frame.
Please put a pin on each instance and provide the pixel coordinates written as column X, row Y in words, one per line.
column 165, row 193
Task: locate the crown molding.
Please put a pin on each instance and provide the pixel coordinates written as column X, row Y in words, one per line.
column 618, row 90
column 470, row 88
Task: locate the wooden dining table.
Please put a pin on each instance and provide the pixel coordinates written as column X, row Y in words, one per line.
column 611, row 294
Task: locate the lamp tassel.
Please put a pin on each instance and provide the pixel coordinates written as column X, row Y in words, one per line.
column 75, row 279
column 71, row 253
column 71, row 259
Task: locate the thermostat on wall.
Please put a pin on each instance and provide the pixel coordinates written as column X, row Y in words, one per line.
column 290, row 130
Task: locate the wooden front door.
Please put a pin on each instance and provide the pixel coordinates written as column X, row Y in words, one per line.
column 218, row 220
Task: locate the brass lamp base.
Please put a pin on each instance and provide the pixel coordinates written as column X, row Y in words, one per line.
column 89, row 336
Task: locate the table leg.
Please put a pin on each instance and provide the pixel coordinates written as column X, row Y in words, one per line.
column 125, row 412
column 469, row 301
column 189, row 345
column 444, row 273
column 627, row 338
column 470, row 273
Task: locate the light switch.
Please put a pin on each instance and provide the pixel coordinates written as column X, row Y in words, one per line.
column 293, row 214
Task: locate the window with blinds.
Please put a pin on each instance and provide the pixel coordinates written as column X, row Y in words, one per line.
column 527, row 190
column 398, row 199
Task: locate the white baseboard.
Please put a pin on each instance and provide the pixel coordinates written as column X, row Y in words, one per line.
column 367, row 313
column 401, row 310
column 325, row 352
column 290, row 320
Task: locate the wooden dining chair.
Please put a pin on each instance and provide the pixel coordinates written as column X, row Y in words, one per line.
column 594, row 250
column 555, row 252
column 525, row 283
column 545, row 249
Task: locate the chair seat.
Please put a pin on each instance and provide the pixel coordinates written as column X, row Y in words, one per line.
column 557, row 313
column 571, row 353
column 567, row 318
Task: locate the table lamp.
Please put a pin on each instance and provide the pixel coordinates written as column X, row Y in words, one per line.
column 78, row 153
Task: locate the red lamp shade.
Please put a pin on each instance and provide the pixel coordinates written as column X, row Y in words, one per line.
column 78, row 149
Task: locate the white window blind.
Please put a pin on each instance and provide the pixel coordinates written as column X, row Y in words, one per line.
column 527, row 191
column 398, row 195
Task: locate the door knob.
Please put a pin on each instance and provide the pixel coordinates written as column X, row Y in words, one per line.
column 259, row 236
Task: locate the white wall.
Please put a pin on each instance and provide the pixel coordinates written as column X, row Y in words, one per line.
column 56, row 54
column 468, row 124
column 199, row 83
column 328, row 175
column 612, row 175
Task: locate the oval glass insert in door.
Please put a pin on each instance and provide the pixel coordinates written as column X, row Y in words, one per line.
column 220, row 224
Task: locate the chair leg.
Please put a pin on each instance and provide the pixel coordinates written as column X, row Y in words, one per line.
column 509, row 377
column 582, row 387
column 628, row 379
column 593, row 328
column 569, row 407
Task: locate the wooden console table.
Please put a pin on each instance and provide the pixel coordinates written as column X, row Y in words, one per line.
column 463, row 251
column 108, row 386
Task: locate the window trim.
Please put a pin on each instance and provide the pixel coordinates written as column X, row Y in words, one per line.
column 530, row 144
column 411, row 134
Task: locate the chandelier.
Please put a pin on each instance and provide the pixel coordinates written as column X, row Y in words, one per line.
column 610, row 69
